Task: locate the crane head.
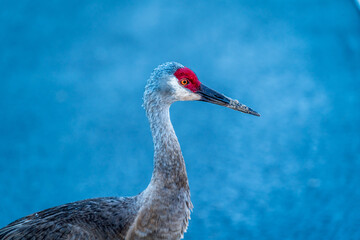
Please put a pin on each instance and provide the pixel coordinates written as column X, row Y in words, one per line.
column 174, row 82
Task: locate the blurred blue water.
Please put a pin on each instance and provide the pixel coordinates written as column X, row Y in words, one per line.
column 72, row 126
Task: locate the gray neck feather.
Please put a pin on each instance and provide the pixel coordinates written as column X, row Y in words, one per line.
column 169, row 165
column 166, row 201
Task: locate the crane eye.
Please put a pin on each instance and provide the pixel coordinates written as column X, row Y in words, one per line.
column 184, row 81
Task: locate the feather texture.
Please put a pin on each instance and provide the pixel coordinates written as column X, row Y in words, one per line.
column 99, row 218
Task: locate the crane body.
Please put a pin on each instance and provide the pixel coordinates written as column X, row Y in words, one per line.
column 162, row 210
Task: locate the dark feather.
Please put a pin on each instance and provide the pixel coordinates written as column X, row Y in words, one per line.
column 99, row 218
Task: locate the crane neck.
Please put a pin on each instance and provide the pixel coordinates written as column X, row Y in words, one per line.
column 169, row 165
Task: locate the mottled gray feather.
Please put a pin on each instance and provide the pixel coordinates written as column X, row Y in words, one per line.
column 99, row 218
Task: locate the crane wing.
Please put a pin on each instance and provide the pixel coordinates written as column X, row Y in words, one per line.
column 46, row 231
column 99, row 218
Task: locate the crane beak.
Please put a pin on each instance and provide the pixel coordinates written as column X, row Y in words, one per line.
column 211, row 96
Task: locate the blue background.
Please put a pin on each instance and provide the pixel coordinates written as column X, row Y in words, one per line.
column 72, row 127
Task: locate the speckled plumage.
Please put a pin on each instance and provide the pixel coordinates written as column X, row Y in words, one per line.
column 161, row 211
column 99, row 218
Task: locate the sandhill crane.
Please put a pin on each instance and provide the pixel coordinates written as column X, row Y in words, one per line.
column 162, row 210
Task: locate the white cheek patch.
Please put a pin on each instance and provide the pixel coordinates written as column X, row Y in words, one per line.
column 181, row 93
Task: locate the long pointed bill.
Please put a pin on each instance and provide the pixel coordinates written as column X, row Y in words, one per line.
column 211, row 96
